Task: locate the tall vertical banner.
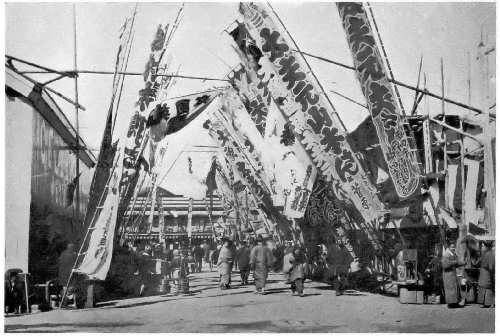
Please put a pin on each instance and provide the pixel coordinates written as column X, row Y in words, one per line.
column 190, row 219
column 427, row 146
column 243, row 167
column 100, row 249
column 395, row 144
column 293, row 172
column 300, row 98
column 137, row 135
column 107, row 150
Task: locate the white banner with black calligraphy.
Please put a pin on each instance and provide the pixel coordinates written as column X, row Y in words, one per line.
column 97, row 259
column 243, row 169
column 292, row 172
column 315, row 122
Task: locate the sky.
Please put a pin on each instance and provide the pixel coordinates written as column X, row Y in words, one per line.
column 43, row 33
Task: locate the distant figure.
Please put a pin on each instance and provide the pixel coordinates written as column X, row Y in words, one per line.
column 243, row 258
column 287, row 260
column 224, row 264
column 66, row 261
column 261, row 260
column 206, row 252
column 297, row 272
column 486, row 295
column 451, row 285
column 342, row 270
column 214, row 255
column 198, row 254
column 433, row 278
column 144, row 265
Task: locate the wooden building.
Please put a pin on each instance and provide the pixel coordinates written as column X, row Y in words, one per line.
column 169, row 220
column 40, row 158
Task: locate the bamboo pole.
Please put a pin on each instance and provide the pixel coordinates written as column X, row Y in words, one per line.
column 399, row 83
column 129, row 73
column 488, row 132
column 90, row 228
column 75, row 59
column 386, row 58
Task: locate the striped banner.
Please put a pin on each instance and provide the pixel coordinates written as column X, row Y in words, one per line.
column 315, row 122
column 395, row 144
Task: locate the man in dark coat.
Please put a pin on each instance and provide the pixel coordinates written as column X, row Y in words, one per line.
column 261, row 261
column 243, row 258
column 198, row 254
column 450, row 281
column 145, row 268
column 486, row 295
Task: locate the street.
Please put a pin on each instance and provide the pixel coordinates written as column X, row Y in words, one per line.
column 208, row 309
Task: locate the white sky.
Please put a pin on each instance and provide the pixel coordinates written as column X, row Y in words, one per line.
column 43, row 33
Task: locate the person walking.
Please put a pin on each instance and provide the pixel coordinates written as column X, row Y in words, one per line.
column 243, row 259
column 297, row 272
column 287, row 260
column 486, row 295
column 144, row 263
column 214, row 255
column 452, row 290
column 206, row 252
column 342, row 270
column 198, row 254
column 261, row 260
column 224, row 264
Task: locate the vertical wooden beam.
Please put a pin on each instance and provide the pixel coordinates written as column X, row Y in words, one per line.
column 489, row 133
column 445, row 147
column 75, row 56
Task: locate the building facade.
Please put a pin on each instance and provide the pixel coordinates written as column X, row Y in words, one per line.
column 41, row 214
column 169, row 220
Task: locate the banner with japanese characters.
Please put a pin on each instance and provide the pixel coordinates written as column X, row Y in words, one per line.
column 292, row 172
column 395, row 144
column 314, row 119
column 97, row 258
column 243, row 168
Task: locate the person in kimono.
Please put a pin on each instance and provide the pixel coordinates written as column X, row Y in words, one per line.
column 297, row 273
column 261, row 261
column 486, row 295
column 225, row 263
column 243, row 258
column 452, row 290
column 287, row 264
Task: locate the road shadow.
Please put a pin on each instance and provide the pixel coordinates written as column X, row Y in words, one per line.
column 311, row 294
column 14, row 327
column 272, row 326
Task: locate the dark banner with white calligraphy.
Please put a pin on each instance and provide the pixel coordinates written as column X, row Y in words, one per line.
column 300, row 98
column 401, row 160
